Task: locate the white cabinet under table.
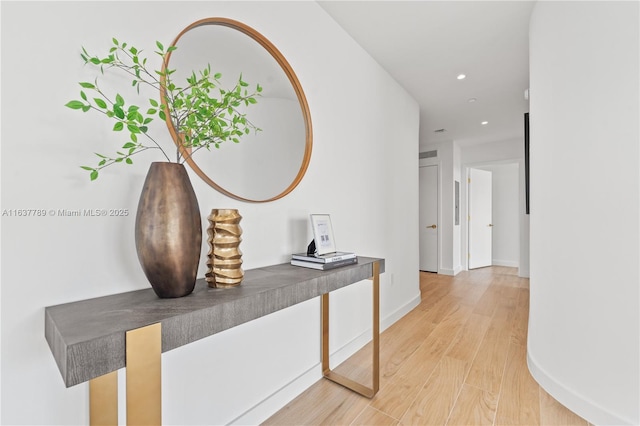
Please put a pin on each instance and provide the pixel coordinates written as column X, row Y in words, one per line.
column 92, row 339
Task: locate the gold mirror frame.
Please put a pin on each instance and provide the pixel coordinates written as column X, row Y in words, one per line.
column 293, row 79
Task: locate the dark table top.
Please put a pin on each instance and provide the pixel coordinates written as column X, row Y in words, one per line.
column 87, row 338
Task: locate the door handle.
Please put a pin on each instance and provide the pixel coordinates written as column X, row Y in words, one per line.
column 432, row 226
column 490, row 225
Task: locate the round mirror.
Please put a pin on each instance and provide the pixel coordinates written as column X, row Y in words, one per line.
column 265, row 165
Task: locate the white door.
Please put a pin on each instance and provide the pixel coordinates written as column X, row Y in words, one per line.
column 429, row 218
column 480, row 225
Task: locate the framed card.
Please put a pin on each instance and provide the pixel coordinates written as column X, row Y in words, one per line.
column 323, row 234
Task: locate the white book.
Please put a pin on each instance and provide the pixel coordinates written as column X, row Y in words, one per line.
column 324, row 266
column 324, row 258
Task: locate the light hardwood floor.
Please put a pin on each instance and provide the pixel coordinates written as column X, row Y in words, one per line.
column 459, row 358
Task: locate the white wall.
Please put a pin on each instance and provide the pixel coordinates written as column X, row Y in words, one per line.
column 505, row 205
column 584, row 331
column 498, row 153
column 252, row 370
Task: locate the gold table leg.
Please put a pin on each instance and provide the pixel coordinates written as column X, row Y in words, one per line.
column 103, row 400
column 340, row 379
column 144, row 398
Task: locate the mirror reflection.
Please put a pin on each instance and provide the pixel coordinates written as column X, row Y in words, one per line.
column 268, row 164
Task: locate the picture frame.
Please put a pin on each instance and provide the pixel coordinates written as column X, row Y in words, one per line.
column 323, row 234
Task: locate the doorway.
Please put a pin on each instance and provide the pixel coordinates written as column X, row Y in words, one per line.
column 428, row 222
column 510, row 224
column 480, row 218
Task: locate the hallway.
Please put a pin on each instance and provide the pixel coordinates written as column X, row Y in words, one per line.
column 459, row 358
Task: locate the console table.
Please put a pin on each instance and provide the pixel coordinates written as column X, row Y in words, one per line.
column 91, row 339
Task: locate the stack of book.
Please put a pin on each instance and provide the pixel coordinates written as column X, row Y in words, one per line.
column 325, row 261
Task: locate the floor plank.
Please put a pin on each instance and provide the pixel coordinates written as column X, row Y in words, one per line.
column 371, row 416
column 521, row 322
column 395, row 398
column 488, row 366
column 466, row 343
column 552, row 413
column 520, row 402
column 436, row 399
column 474, row 407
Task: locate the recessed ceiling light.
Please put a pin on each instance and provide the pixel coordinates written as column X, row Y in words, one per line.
column 461, row 76
column 472, row 100
column 484, row 123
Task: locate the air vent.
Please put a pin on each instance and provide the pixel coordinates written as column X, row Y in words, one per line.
column 440, row 131
column 429, row 154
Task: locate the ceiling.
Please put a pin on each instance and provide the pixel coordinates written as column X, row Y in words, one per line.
column 425, row 45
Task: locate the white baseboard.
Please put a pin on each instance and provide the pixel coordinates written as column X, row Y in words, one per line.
column 509, row 263
column 582, row 406
column 450, row 272
column 274, row 402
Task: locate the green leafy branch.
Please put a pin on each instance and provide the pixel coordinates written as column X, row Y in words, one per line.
column 204, row 120
column 202, row 113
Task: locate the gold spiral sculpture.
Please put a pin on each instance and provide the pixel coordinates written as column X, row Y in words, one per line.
column 224, row 258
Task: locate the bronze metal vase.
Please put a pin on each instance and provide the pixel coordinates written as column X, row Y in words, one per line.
column 224, row 258
column 168, row 230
